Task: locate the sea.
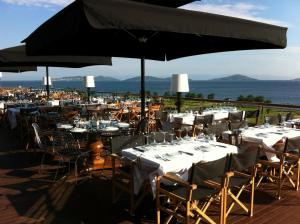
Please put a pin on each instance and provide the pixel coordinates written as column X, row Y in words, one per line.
column 278, row 91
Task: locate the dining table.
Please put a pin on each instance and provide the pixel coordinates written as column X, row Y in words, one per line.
column 175, row 158
column 188, row 117
column 269, row 135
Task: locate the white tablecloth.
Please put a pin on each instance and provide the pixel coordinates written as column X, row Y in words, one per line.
column 188, row 118
column 270, row 135
column 176, row 158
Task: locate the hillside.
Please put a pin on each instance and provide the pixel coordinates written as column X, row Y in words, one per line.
column 234, row 78
column 81, row 78
column 147, row 78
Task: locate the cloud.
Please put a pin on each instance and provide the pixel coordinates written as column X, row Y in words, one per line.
column 40, row 3
column 240, row 10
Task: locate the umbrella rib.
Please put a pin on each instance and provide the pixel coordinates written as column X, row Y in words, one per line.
column 141, row 39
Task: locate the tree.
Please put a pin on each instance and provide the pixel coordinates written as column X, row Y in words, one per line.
column 167, row 93
column 199, row 95
column 211, row 96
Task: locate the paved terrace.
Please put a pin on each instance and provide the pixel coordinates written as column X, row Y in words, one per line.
column 29, row 197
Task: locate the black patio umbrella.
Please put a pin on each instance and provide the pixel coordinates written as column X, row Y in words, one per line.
column 167, row 3
column 16, row 56
column 17, row 69
column 123, row 28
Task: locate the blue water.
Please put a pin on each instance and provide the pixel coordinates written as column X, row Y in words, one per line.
column 287, row 92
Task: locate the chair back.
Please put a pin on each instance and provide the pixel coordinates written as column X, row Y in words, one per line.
column 216, row 129
column 202, row 171
column 247, row 157
column 252, row 114
column 199, row 120
column 236, row 116
column 118, row 143
column 177, row 123
column 237, row 125
column 63, row 140
column 208, row 119
column 292, row 145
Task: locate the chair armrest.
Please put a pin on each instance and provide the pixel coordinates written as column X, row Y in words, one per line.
column 213, row 184
column 240, row 174
column 292, row 156
column 175, row 179
column 272, row 151
column 269, row 163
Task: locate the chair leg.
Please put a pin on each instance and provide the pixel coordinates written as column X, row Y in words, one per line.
column 252, row 198
column 298, row 176
column 279, row 182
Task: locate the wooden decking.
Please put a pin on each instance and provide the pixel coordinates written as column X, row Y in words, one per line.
column 29, row 197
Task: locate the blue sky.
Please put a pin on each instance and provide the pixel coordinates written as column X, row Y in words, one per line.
column 18, row 18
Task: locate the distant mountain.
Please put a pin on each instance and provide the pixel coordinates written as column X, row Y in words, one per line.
column 234, row 78
column 297, row 79
column 69, row 78
column 106, row 79
column 81, row 78
column 147, row 79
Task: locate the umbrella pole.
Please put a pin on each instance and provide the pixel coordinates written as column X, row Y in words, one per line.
column 142, row 88
column 47, row 82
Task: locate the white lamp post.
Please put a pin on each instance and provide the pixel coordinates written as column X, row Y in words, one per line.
column 89, row 83
column 179, row 84
column 47, row 83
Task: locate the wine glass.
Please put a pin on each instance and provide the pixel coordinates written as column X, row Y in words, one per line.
column 267, row 119
column 147, row 139
column 171, row 138
column 164, row 134
column 154, row 140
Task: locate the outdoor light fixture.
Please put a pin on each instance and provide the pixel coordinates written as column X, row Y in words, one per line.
column 179, row 84
column 47, row 83
column 89, row 83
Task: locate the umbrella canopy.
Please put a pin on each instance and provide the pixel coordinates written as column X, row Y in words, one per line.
column 17, row 56
column 167, row 3
column 18, row 69
column 123, row 28
column 130, row 29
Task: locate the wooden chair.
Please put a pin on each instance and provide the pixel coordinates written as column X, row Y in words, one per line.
column 242, row 176
column 252, row 115
column 198, row 125
column 278, row 172
column 216, row 129
column 191, row 199
column 236, row 116
column 123, row 182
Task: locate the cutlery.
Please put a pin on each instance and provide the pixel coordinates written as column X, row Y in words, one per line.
column 138, row 149
column 188, row 153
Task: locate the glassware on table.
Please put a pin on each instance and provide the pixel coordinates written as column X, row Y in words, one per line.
column 147, row 139
column 267, row 120
column 171, row 138
column 154, row 140
column 164, row 134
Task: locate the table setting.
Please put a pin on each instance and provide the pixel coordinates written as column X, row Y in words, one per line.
column 175, row 157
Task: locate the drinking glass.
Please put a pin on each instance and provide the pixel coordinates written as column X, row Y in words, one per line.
column 147, row 139
column 154, row 140
column 267, row 119
column 171, row 138
column 164, row 134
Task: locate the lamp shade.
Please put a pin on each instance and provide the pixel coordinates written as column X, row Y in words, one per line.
column 45, row 81
column 180, row 83
column 89, row 81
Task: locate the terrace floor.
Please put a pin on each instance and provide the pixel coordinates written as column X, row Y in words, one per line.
column 29, row 197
